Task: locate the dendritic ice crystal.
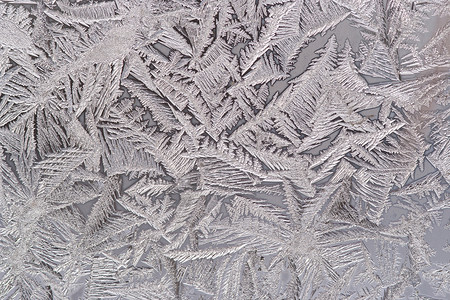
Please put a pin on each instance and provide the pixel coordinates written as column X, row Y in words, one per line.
column 224, row 149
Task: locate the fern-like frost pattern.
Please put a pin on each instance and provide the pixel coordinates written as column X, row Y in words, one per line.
column 224, row 149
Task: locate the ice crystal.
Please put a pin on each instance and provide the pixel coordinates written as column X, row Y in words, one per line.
column 224, row 149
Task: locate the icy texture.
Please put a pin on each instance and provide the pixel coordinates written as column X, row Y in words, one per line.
column 224, row 149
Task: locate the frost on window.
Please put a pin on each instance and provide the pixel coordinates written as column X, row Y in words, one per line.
column 224, row 149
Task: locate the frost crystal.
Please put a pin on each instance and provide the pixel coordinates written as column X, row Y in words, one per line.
column 224, row 149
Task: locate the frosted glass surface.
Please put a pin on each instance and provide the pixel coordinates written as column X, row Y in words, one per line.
column 224, row 149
